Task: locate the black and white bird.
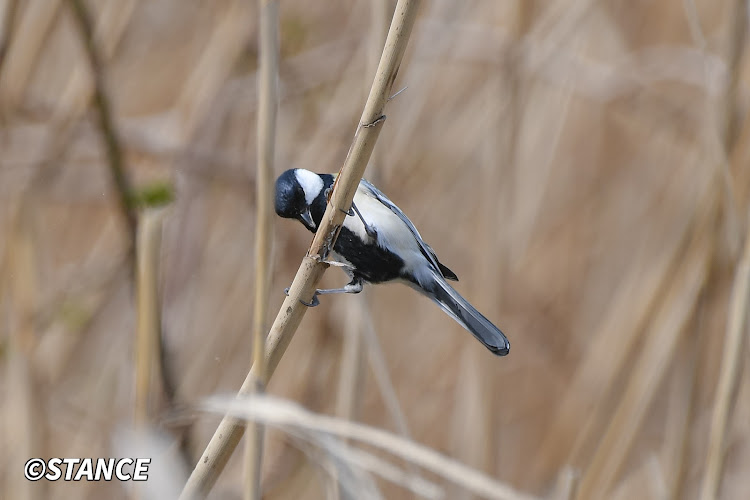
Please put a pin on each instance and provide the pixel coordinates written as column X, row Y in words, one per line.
column 378, row 244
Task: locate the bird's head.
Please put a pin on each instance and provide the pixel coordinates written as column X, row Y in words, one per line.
column 296, row 189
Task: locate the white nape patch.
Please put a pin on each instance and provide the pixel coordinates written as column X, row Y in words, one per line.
column 311, row 184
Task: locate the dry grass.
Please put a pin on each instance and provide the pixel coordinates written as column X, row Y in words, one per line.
column 581, row 165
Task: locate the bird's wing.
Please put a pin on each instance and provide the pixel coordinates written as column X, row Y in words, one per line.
column 424, row 247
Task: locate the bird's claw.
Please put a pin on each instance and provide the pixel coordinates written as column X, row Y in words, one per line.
column 314, row 302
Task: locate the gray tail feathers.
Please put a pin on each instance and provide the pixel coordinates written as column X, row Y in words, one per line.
column 464, row 313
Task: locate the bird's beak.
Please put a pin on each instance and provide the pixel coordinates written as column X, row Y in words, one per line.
column 307, row 219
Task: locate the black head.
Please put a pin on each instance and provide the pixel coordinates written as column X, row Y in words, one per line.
column 295, row 191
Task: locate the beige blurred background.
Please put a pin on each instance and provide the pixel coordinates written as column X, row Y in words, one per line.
column 581, row 165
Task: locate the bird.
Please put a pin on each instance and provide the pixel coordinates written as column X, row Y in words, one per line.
column 379, row 244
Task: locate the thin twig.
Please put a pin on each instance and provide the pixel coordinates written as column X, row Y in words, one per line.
column 311, row 269
column 265, row 142
column 107, row 127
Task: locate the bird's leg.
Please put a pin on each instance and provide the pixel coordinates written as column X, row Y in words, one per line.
column 354, row 286
column 371, row 231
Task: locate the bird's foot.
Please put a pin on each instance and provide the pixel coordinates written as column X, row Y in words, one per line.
column 314, row 302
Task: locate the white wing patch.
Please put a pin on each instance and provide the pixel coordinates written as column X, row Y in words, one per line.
column 311, row 184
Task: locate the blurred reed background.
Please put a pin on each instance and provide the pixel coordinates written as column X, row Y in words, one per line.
column 581, row 165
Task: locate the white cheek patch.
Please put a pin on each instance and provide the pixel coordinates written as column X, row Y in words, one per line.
column 311, row 184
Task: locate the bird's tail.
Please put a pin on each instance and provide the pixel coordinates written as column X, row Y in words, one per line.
column 466, row 315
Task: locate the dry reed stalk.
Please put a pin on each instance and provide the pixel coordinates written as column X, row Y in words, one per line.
column 289, row 415
column 107, row 128
column 731, row 369
column 380, row 12
column 311, row 269
column 148, row 324
column 268, row 72
column 651, row 366
column 148, row 348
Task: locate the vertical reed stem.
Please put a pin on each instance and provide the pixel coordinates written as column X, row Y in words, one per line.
column 266, row 138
